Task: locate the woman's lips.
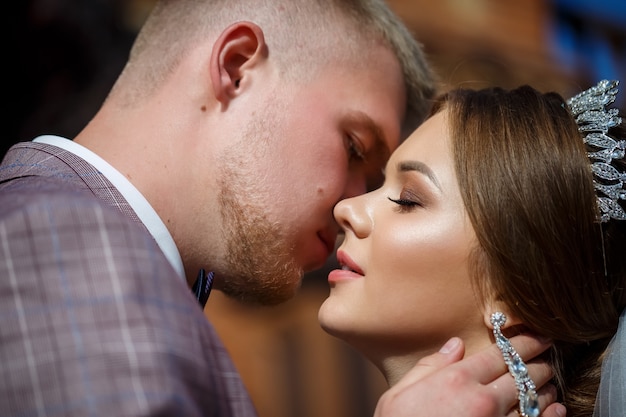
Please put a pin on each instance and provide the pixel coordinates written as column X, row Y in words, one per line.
column 349, row 269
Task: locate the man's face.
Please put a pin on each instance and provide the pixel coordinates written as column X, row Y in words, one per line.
column 312, row 144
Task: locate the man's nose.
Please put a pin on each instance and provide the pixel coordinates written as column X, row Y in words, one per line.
column 356, row 185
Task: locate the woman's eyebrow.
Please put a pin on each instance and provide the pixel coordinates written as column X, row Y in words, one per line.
column 405, row 166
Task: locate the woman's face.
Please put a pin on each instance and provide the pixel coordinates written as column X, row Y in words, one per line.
column 404, row 284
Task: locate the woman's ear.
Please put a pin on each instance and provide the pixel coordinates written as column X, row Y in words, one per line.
column 493, row 306
column 239, row 48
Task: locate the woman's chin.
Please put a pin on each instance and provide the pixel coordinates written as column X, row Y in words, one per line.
column 330, row 323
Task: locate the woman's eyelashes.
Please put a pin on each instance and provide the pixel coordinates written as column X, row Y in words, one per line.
column 406, row 202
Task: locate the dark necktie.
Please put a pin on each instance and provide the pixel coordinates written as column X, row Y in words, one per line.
column 202, row 287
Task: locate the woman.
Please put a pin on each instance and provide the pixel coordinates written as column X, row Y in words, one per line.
column 490, row 206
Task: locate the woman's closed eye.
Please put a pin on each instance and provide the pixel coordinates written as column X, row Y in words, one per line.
column 406, row 203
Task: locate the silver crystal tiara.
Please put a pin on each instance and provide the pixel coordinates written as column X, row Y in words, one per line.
column 594, row 121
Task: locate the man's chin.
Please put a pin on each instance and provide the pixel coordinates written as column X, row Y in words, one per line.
column 259, row 292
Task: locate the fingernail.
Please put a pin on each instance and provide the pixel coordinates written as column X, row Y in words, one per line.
column 560, row 410
column 450, row 345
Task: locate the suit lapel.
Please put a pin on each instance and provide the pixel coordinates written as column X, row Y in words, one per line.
column 43, row 160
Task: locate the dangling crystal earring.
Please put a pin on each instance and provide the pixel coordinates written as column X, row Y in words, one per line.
column 528, row 400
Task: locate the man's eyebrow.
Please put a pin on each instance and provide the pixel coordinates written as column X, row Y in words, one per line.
column 405, row 166
column 379, row 148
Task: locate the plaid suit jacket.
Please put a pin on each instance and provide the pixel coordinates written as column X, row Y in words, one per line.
column 93, row 319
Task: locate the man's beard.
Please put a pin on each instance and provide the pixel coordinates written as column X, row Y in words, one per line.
column 259, row 263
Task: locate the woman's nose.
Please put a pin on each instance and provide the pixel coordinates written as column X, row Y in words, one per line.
column 352, row 215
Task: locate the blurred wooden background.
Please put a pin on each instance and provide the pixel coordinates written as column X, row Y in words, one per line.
column 64, row 56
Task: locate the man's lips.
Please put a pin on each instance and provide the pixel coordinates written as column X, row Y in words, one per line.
column 328, row 238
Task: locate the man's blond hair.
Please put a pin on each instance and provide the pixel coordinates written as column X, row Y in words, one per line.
column 302, row 35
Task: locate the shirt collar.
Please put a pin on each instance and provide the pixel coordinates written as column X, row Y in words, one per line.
column 135, row 199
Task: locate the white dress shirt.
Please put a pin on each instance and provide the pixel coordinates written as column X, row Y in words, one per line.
column 135, row 199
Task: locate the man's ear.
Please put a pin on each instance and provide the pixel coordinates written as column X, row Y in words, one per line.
column 239, row 47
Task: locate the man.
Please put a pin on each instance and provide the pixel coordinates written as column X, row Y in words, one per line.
column 224, row 145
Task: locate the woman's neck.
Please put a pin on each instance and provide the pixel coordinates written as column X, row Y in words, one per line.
column 395, row 366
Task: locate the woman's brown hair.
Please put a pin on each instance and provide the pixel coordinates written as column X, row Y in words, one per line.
column 527, row 186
